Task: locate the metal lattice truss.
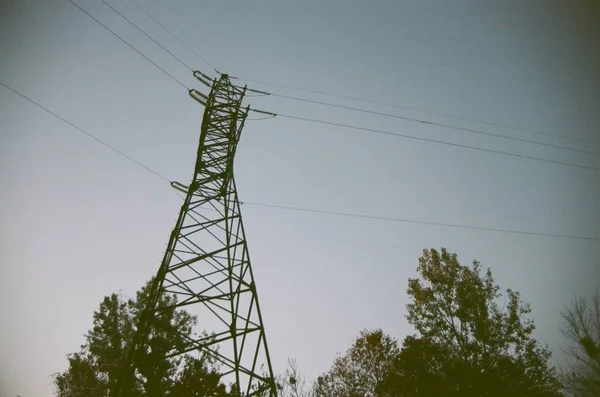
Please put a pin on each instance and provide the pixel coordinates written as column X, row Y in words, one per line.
column 206, row 264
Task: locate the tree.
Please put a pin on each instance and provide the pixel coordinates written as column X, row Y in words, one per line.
column 362, row 368
column 582, row 328
column 94, row 370
column 422, row 369
column 292, row 383
column 467, row 345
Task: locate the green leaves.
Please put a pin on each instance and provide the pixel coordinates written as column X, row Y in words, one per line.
column 455, row 310
column 466, row 345
column 364, row 366
column 94, row 370
column 82, row 379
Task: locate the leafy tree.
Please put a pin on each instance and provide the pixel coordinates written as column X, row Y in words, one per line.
column 94, row 370
column 582, row 328
column 422, row 369
column 81, row 379
column 362, row 368
column 467, row 345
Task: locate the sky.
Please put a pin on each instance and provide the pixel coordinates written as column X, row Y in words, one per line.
column 78, row 221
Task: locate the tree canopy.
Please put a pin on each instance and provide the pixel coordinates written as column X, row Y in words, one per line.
column 466, row 344
column 93, row 371
column 472, row 339
column 364, row 366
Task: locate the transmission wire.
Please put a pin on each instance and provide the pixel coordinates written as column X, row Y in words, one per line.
column 418, row 110
column 433, row 123
column 385, row 218
column 173, row 35
column 129, row 45
column 359, row 109
column 427, row 140
column 267, row 205
column 372, row 101
column 361, row 128
column 147, row 35
column 84, row 132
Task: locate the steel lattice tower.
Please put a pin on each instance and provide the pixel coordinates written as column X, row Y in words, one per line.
column 206, row 263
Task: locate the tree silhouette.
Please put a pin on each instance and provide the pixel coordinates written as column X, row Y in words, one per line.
column 467, row 345
column 362, row 368
column 582, row 328
column 292, row 383
column 94, row 370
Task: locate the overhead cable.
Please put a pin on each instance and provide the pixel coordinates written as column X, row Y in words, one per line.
column 95, row 138
column 129, row 45
column 364, row 99
column 419, row 110
column 356, row 127
column 390, row 219
column 432, row 123
column 377, row 131
column 268, row 205
column 147, row 35
column 174, row 36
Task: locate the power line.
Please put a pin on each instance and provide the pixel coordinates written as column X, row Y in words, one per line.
column 147, row 35
column 174, row 36
column 418, row 110
column 327, row 103
column 383, row 103
column 261, row 119
column 129, row 45
column 451, row 225
column 266, row 205
column 355, row 127
column 428, row 140
column 356, row 109
column 432, row 123
column 84, row 132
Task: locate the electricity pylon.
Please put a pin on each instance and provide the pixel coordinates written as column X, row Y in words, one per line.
column 206, row 265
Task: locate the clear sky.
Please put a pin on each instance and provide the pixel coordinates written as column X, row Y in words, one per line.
column 78, row 221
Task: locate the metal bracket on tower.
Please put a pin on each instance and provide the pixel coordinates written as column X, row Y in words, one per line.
column 198, row 96
column 204, row 79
